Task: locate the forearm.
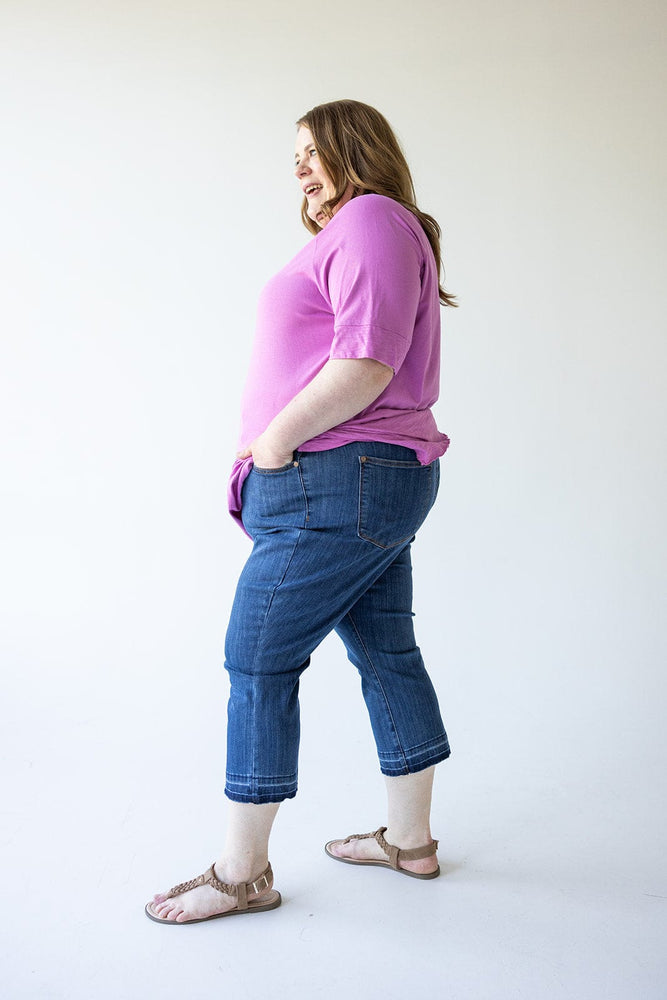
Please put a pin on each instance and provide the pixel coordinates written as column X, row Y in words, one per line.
column 343, row 388
column 338, row 392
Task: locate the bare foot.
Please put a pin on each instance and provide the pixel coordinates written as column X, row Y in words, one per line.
column 368, row 849
column 203, row 901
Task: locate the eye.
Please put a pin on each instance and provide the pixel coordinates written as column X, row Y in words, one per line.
column 309, row 153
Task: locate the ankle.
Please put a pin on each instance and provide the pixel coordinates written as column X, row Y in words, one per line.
column 407, row 838
column 240, row 869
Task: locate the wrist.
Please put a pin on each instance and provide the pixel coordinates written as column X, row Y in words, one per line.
column 278, row 438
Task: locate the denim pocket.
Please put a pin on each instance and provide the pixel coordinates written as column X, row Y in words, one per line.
column 394, row 498
column 272, row 472
column 274, row 498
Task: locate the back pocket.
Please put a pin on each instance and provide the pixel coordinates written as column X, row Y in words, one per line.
column 394, row 498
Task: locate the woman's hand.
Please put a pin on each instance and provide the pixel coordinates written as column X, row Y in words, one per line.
column 265, row 453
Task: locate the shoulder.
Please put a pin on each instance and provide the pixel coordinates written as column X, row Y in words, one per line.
column 372, row 219
column 367, row 207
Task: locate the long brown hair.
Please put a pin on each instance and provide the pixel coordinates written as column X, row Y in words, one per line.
column 356, row 145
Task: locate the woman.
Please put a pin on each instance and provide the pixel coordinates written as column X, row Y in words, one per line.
column 339, row 469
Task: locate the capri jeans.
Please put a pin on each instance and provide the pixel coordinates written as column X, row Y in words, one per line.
column 331, row 538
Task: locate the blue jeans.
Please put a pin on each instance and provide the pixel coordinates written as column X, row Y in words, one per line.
column 331, row 550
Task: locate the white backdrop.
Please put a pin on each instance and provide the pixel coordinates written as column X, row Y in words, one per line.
column 147, row 195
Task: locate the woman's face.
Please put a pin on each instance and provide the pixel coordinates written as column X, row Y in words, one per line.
column 313, row 179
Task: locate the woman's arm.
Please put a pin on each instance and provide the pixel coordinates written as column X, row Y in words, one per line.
column 343, row 388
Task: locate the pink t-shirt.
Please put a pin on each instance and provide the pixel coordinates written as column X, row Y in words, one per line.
column 365, row 287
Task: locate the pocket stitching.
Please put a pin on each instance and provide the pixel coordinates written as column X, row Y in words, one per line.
column 271, row 472
column 424, row 506
column 391, row 463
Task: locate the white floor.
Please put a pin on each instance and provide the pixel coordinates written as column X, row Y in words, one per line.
column 553, row 861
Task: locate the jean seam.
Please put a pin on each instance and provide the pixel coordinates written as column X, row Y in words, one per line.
column 411, row 768
column 427, row 743
column 430, row 748
column 275, row 778
column 255, row 741
column 379, row 683
column 305, row 495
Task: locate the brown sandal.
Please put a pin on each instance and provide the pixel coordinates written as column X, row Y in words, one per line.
column 395, row 854
column 240, row 890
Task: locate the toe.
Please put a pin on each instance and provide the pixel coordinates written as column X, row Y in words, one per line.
column 157, row 911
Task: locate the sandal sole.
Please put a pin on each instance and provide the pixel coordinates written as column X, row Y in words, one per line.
column 377, row 864
column 257, row 908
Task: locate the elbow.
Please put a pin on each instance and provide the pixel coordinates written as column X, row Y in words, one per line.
column 385, row 377
column 382, row 374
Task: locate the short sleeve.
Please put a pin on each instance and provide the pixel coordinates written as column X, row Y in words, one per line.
column 372, row 271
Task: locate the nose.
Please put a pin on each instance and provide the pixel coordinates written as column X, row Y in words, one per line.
column 302, row 169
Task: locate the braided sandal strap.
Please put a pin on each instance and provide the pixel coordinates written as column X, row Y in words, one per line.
column 361, row 836
column 240, row 890
column 396, row 854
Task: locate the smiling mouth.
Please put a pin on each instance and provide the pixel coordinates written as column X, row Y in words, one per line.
column 312, row 189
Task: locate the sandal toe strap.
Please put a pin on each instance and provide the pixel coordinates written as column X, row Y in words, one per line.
column 360, row 836
column 240, row 890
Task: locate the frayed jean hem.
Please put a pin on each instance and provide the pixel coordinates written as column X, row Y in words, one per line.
column 259, row 792
column 418, row 759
